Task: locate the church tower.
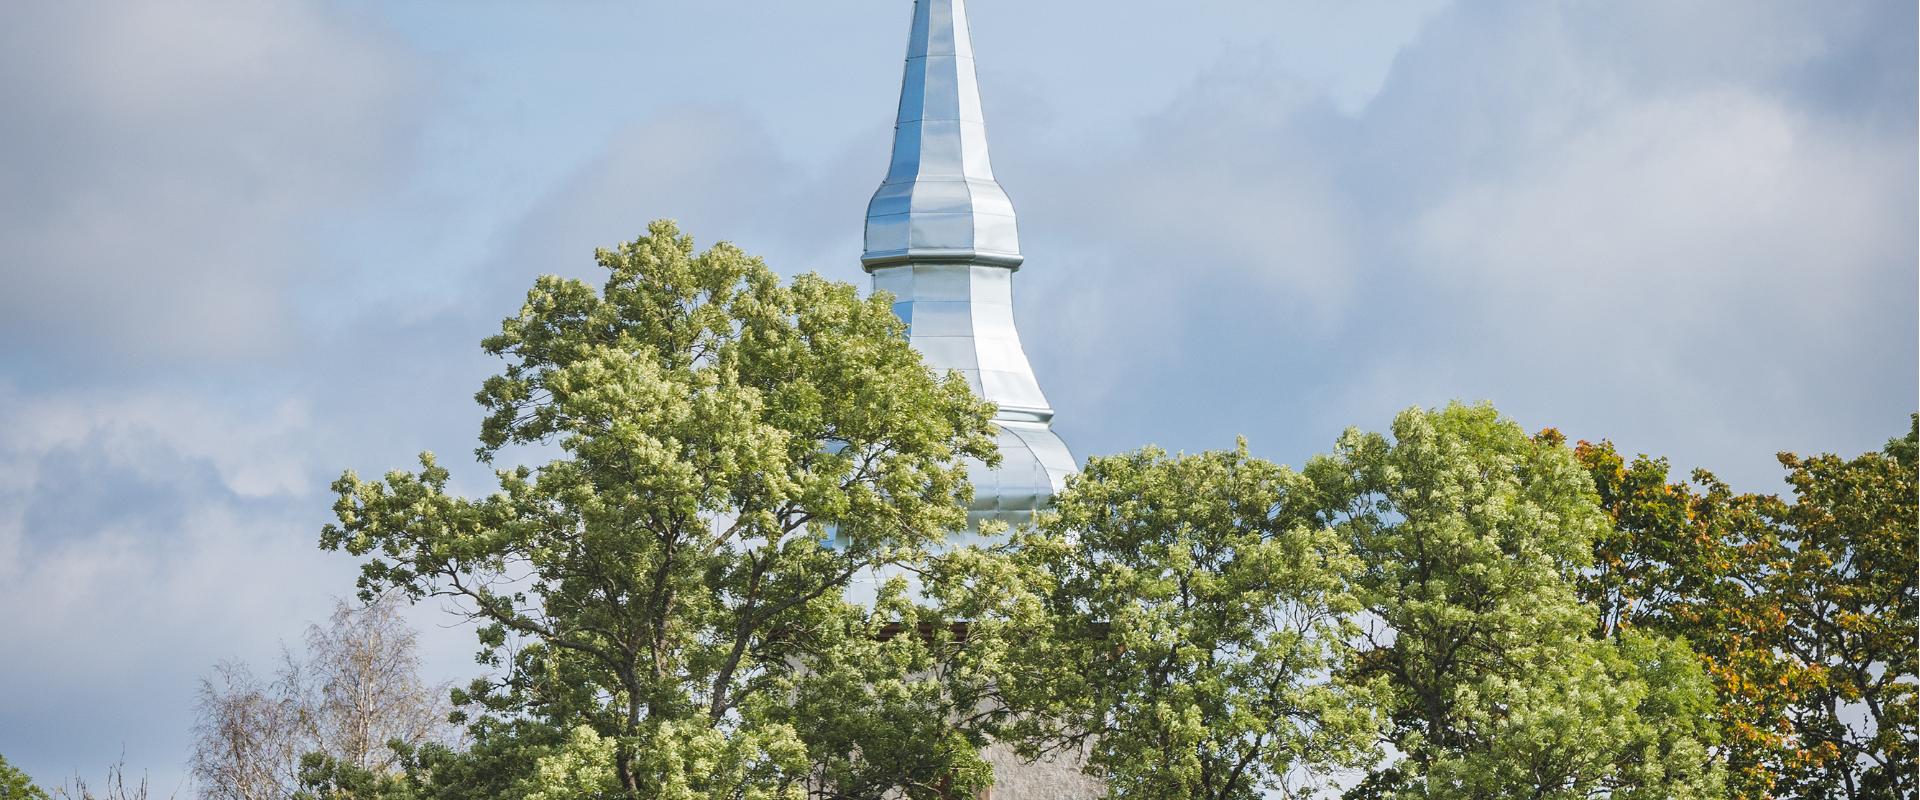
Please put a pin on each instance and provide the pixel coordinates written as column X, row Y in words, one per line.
column 941, row 236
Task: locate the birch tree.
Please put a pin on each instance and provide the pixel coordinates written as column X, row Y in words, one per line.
column 350, row 697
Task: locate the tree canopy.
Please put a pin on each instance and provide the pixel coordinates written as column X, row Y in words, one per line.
column 1196, row 614
column 1472, row 534
column 15, row 785
column 695, row 461
column 660, row 597
column 1801, row 609
column 1403, row 609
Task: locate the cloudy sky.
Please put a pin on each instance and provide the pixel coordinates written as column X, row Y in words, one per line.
column 248, row 244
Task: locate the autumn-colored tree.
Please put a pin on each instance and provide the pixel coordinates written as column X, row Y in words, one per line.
column 1677, row 560
column 1801, row 609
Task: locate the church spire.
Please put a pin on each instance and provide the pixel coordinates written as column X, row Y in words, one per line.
column 941, row 240
column 939, row 202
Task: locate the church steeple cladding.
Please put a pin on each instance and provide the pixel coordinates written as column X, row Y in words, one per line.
column 941, row 237
column 940, row 201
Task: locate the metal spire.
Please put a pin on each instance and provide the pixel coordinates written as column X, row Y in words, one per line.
column 941, row 239
column 939, row 201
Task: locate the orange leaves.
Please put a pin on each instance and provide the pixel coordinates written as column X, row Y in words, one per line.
column 1797, row 606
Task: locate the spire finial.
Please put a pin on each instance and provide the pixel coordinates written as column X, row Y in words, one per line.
column 939, row 202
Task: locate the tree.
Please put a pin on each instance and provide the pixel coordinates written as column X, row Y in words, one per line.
column 1472, row 533
column 250, row 735
column 15, row 785
column 355, row 695
column 1195, row 612
column 1800, row 611
column 1678, row 561
column 1844, row 570
column 114, row 787
column 659, row 597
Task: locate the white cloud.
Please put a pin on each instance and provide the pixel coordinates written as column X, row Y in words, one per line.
column 151, row 535
column 163, row 160
column 1639, row 223
column 1678, row 210
column 257, row 452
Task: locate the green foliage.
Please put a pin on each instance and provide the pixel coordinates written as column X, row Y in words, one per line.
column 1844, row 569
column 1195, row 611
column 15, row 785
column 1801, row 612
column 873, row 731
column 498, row 763
column 1465, row 610
column 326, row 777
column 658, row 597
column 1673, row 563
column 1471, row 533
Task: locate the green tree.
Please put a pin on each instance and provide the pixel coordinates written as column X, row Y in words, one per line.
column 659, row 597
column 1800, row 611
column 1194, row 613
column 321, row 775
column 15, row 785
column 1844, row 571
column 1472, row 534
